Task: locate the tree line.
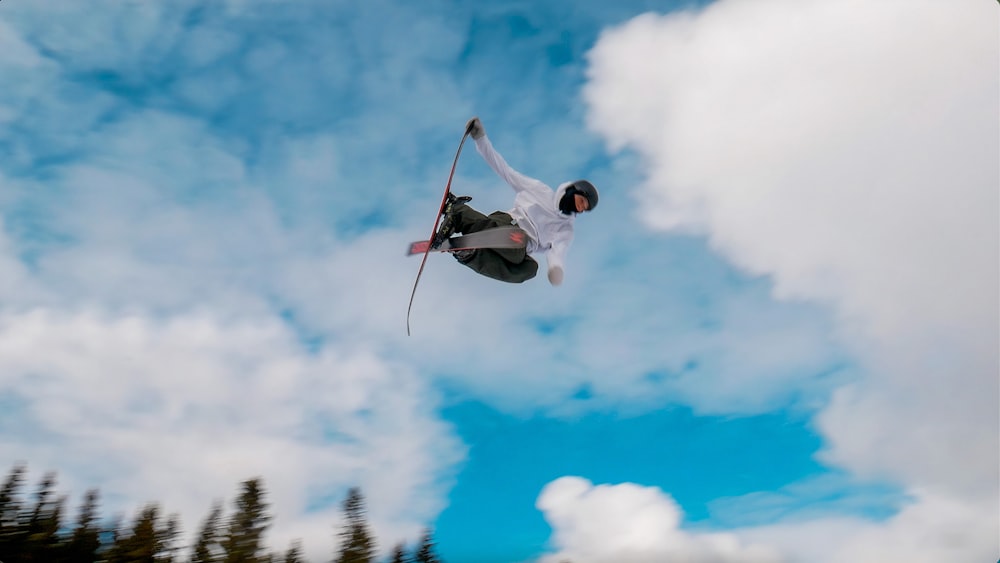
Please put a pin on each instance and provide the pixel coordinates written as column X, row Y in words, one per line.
column 37, row 529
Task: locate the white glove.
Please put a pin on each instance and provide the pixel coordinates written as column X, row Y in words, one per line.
column 555, row 275
column 475, row 128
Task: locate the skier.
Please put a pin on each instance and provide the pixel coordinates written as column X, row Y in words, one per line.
column 545, row 215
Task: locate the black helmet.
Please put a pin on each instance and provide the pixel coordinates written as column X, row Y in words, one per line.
column 587, row 190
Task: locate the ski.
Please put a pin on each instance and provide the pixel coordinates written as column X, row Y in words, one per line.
column 498, row 237
column 427, row 251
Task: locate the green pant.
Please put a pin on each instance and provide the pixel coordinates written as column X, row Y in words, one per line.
column 512, row 265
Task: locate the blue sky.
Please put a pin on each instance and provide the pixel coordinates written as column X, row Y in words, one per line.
column 699, row 458
column 776, row 340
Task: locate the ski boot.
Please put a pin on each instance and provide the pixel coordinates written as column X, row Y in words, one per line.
column 449, row 220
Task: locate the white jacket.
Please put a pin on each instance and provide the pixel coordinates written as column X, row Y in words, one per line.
column 536, row 208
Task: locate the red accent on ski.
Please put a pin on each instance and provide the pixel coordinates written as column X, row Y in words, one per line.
column 518, row 236
column 419, row 247
column 444, row 200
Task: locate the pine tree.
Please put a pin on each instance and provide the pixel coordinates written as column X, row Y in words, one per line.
column 425, row 552
column 85, row 541
column 294, row 553
column 243, row 543
column 148, row 541
column 10, row 504
column 40, row 530
column 398, row 554
column 110, row 536
column 11, row 532
column 356, row 542
column 208, row 548
column 170, row 535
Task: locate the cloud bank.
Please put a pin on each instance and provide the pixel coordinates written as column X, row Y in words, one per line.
column 631, row 524
column 191, row 403
column 146, row 342
column 849, row 152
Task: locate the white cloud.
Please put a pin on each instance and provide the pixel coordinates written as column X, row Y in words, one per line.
column 753, row 129
column 847, row 150
column 187, row 407
column 104, row 34
column 13, row 274
column 932, row 529
column 144, row 349
column 628, row 523
column 15, row 51
column 145, row 354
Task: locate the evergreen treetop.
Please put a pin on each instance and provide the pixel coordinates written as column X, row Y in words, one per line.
column 356, row 542
column 244, row 540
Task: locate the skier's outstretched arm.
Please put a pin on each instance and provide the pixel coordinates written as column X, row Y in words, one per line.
column 554, row 257
column 515, row 179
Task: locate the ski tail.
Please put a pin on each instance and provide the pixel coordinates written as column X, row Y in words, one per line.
column 444, row 200
column 419, row 247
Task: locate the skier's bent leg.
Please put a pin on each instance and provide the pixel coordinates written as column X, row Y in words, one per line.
column 490, row 263
column 512, row 255
column 468, row 220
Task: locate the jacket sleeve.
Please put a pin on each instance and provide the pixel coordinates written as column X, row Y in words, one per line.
column 556, row 255
column 515, row 179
